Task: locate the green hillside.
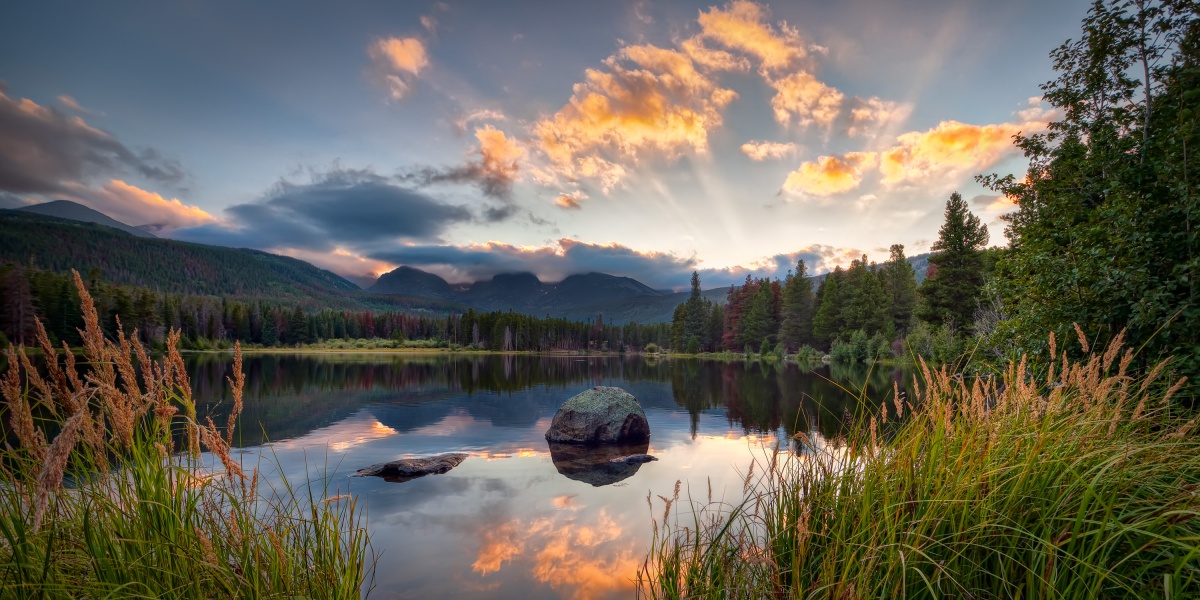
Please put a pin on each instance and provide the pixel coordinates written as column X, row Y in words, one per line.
column 172, row 267
column 164, row 265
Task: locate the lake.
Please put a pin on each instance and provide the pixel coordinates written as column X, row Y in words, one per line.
column 515, row 520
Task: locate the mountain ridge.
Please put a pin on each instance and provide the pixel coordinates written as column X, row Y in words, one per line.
column 74, row 211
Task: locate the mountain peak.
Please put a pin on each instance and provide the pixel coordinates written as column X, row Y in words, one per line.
column 74, row 211
column 520, row 291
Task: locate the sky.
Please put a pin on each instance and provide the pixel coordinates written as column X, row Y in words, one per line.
column 639, row 138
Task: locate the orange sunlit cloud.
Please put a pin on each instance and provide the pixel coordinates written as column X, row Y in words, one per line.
column 649, row 101
column 712, row 59
column 407, row 54
column 348, row 433
column 803, row 97
column 760, row 151
column 587, row 561
column 566, row 502
column 500, row 154
column 398, row 59
column 500, row 544
column 745, row 26
column 569, row 201
column 131, row 204
column 950, row 149
column 340, row 260
column 829, row 175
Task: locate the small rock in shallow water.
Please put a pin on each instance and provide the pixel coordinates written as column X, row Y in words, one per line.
column 633, row 459
column 412, row 468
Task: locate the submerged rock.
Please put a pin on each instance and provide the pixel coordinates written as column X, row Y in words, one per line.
column 599, row 465
column 601, row 415
column 406, row 469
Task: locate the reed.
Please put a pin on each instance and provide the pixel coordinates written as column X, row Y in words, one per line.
column 109, row 507
column 1084, row 483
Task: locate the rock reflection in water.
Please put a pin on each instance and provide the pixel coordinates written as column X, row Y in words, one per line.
column 592, row 464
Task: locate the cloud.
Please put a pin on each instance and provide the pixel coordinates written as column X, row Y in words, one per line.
column 947, row 151
column 713, row 60
column 429, row 23
column 800, row 95
column 43, row 149
column 495, row 167
column 397, row 61
column 829, row 175
column 587, row 562
column 554, row 262
column 341, row 208
column 8, row 200
column 745, row 26
column 868, row 116
column 569, row 201
column 648, row 102
column 818, row 258
column 72, row 104
column 944, row 153
column 347, row 263
column 461, row 123
column 760, row 151
column 475, row 262
column 134, row 206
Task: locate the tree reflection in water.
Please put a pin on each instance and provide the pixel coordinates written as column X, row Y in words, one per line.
column 514, row 519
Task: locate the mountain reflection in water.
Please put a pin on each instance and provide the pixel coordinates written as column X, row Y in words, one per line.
column 519, row 518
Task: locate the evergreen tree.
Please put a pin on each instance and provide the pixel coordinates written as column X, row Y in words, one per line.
column 756, row 323
column 697, row 315
column 864, row 301
column 679, row 322
column 827, row 322
column 900, row 286
column 270, row 332
column 17, row 320
column 796, row 329
column 298, row 327
column 716, row 323
column 950, row 294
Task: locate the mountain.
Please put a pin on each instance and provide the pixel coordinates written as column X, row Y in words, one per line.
column 412, row 282
column 169, row 266
column 65, row 209
column 579, row 296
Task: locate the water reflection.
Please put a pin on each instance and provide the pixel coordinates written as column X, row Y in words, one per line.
column 520, row 518
column 594, row 465
column 288, row 396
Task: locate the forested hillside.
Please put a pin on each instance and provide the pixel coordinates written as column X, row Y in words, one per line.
column 165, row 265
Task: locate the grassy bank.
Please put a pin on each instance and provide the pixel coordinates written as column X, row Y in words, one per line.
column 1084, row 483
column 115, row 489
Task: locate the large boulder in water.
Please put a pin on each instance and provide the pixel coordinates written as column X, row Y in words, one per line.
column 601, row 415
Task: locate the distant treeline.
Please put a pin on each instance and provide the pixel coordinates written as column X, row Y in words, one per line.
column 205, row 322
column 863, row 312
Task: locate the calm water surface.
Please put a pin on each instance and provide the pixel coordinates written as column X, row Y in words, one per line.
column 516, row 520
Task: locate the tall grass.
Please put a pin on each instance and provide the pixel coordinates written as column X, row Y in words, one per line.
column 97, row 501
column 1084, row 484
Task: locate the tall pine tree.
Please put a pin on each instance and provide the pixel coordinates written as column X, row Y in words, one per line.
column 950, row 294
column 796, row 329
column 900, row 284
